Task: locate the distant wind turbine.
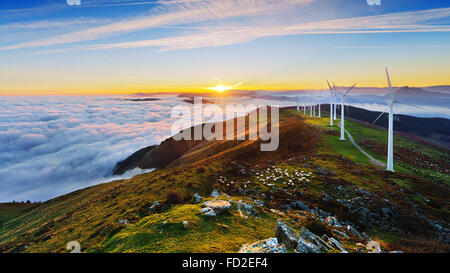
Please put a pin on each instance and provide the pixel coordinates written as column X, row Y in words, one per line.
column 321, row 95
column 298, row 104
column 391, row 102
column 331, row 104
column 334, row 99
column 343, row 95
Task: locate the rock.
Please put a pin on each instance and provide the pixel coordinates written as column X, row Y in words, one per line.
column 123, row 222
column 306, row 247
column 386, row 211
column 332, row 221
column 155, row 205
column 185, row 223
column 265, row 246
column 196, row 199
column 215, row 193
column 301, row 206
column 247, row 208
column 219, row 206
column 326, row 197
column 340, row 234
column 208, row 212
column 322, row 213
column 336, row 244
column 374, row 247
column 310, row 237
column 286, row 235
column 259, row 203
column 354, row 232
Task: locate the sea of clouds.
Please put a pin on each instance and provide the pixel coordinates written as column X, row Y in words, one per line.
column 53, row 145
column 50, row 146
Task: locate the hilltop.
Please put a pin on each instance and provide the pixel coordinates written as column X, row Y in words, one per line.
column 316, row 194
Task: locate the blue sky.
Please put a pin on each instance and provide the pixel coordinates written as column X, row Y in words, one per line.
column 116, row 46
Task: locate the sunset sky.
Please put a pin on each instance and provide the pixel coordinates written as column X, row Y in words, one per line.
column 117, row 46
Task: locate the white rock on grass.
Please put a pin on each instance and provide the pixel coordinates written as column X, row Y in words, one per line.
column 208, row 212
column 265, row 246
column 197, row 198
column 215, row 193
column 218, row 206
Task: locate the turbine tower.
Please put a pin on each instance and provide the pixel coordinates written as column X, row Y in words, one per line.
column 343, row 95
column 390, row 156
column 334, row 99
column 298, row 104
column 331, row 104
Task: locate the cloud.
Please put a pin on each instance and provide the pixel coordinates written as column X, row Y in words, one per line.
column 220, row 36
column 52, row 145
column 175, row 13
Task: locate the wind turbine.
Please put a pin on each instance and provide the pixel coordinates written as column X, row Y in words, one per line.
column 334, row 99
column 391, row 102
column 298, row 104
column 343, row 95
column 321, row 95
column 331, row 104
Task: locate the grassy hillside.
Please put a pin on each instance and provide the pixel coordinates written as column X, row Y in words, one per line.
column 311, row 166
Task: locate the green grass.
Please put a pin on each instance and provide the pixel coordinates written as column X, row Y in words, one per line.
column 91, row 216
column 165, row 232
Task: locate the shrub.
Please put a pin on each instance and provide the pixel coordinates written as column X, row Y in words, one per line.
column 174, row 197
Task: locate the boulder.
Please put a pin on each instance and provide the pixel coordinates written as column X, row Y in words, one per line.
column 259, row 203
column 208, row 212
column 336, row 244
column 196, row 199
column 354, row 232
column 310, row 237
column 265, row 246
column 306, row 247
column 286, row 235
column 219, row 206
column 247, row 208
column 299, row 205
column 215, row 193
column 332, row 221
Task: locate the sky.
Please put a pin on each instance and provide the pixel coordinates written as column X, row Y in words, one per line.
column 71, row 47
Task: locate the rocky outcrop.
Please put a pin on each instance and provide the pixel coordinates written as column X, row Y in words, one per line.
column 265, row 246
column 286, row 235
column 218, row 206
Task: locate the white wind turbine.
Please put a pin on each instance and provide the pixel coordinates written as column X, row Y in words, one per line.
column 331, row 104
column 343, row 95
column 391, row 102
column 298, row 104
column 321, row 95
column 334, row 102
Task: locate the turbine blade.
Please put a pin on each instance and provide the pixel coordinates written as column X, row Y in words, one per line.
column 329, row 85
column 411, row 105
column 390, row 85
column 380, row 115
column 350, row 89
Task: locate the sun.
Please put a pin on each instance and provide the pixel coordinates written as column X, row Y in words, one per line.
column 220, row 88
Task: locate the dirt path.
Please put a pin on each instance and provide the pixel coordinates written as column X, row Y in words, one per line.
column 372, row 160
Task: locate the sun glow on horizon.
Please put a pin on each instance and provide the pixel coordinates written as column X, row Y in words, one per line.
column 221, row 88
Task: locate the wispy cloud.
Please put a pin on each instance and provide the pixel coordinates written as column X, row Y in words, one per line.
column 170, row 14
column 220, row 36
column 176, row 14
